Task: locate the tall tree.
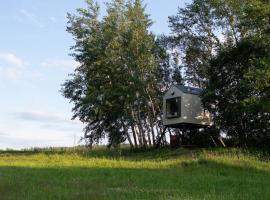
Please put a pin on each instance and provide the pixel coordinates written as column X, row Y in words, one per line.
column 224, row 47
column 238, row 90
column 203, row 27
column 115, row 90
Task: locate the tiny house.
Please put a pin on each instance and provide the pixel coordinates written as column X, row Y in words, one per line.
column 182, row 108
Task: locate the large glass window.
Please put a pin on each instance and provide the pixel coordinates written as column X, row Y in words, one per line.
column 173, row 107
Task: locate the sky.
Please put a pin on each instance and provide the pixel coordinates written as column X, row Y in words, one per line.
column 35, row 61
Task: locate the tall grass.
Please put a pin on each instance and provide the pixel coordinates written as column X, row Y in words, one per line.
column 77, row 173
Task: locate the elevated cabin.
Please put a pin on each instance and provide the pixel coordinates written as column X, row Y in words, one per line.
column 182, row 108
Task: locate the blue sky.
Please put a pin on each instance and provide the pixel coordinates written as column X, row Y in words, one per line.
column 34, row 62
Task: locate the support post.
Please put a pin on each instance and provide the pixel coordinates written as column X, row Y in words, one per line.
column 161, row 136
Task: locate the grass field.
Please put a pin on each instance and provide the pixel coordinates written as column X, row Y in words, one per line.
column 120, row 174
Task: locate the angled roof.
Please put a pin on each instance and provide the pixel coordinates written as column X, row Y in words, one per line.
column 189, row 90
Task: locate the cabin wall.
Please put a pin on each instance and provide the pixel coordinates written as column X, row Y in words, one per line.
column 192, row 111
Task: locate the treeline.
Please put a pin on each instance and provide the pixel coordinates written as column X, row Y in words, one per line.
column 221, row 46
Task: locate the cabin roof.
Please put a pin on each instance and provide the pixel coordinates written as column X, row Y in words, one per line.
column 189, row 90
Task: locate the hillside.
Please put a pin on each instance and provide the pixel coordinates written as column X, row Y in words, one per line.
column 145, row 174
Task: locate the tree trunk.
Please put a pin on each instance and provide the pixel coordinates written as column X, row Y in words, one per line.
column 136, row 126
column 134, row 136
column 129, row 140
column 141, row 127
column 127, row 134
column 152, row 130
column 148, row 132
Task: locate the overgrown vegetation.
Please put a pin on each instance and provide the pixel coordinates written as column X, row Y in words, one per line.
column 238, row 92
column 225, row 50
column 230, row 174
column 116, row 89
column 220, row 46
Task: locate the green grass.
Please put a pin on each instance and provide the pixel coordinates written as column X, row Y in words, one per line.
column 146, row 174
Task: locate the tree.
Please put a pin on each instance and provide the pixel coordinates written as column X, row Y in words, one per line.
column 238, row 91
column 224, row 47
column 115, row 90
column 203, row 27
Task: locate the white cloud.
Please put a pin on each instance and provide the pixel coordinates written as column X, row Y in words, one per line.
column 11, row 59
column 44, row 117
column 14, row 67
column 10, row 65
column 26, row 13
column 27, row 138
column 53, row 19
column 10, row 73
column 2, row 133
column 60, row 63
column 32, row 18
column 40, row 129
column 68, row 129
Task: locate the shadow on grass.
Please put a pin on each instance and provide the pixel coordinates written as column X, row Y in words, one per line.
column 201, row 179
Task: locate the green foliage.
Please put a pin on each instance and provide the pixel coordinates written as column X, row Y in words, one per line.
column 238, row 91
column 116, row 82
column 225, row 49
column 204, row 26
column 256, row 18
column 222, row 46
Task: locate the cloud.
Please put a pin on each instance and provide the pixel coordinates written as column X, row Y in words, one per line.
column 69, row 130
column 10, row 73
column 51, row 121
column 11, row 59
column 10, row 65
column 2, row 133
column 43, row 117
column 53, row 19
column 60, row 63
column 31, row 17
column 40, row 129
column 21, row 140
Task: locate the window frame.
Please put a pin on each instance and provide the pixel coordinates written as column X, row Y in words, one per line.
column 178, row 103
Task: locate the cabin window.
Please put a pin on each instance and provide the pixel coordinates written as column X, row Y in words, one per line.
column 173, row 107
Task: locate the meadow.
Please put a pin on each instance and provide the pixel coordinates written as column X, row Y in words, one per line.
column 78, row 173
